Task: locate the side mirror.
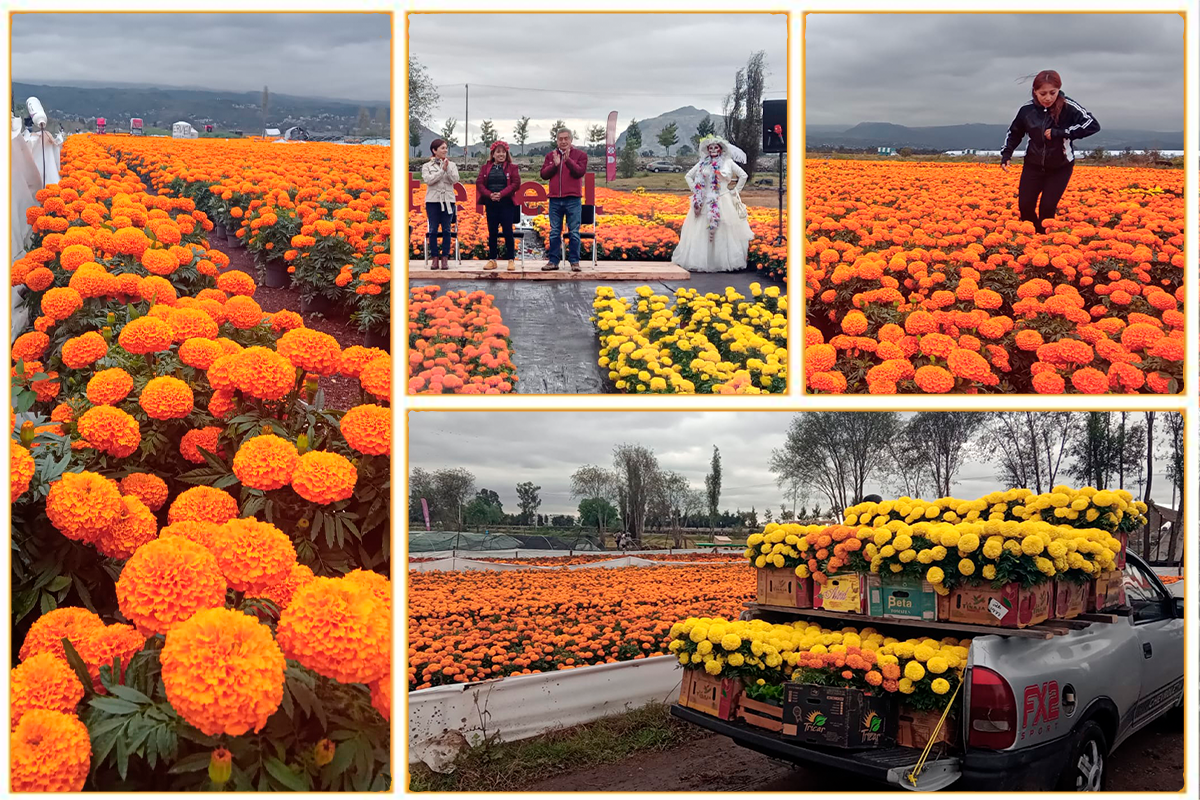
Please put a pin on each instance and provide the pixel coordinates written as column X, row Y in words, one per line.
column 1178, row 607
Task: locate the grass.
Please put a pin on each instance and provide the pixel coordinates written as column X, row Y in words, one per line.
column 512, row 766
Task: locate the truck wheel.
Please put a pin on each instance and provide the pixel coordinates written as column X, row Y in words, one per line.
column 1087, row 770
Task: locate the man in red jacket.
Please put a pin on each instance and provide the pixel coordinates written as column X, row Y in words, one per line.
column 564, row 168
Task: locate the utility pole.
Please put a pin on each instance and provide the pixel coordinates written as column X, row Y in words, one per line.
column 265, row 98
column 467, row 125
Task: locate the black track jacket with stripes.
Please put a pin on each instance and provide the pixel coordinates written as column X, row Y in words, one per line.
column 1032, row 120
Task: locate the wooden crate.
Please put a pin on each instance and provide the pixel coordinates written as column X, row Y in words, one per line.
column 717, row 697
column 1010, row 606
column 781, row 587
column 916, row 728
column 1070, row 599
column 759, row 714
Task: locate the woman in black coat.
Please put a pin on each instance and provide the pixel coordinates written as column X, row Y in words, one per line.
column 1052, row 121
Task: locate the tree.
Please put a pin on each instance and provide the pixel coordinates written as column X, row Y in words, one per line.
column 414, row 136
column 1098, row 154
column 555, row 128
column 482, row 512
column 562, row 521
column 906, row 152
column 768, row 515
column 364, row 119
column 1175, row 474
column 785, row 513
column 627, row 165
column 447, row 132
column 752, row 518
column 1030, row 447
column 420, row 485
column 835, row 452
column 705, row 128
column 266, row 101
column 633, row 134
column 1149, row 479
column 637, row 471
column 685, row 150
column 451, row 489
column 597, row 486
column 528, row 500
column 712, row 487
column 423, row 95
column 1093, row 450
column 596, row 134
column 598, row 513
column 521, row 133
column 668, row 137
column 675, row 491
column 945, row 436
column 487, row 134
column 743, row 109
column 909, row 469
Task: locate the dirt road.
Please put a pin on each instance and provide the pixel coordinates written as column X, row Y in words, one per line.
column 1151, row 761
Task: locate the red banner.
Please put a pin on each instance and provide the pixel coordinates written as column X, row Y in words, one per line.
column 610, row 149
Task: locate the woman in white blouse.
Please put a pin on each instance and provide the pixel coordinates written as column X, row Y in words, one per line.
column 440, row 174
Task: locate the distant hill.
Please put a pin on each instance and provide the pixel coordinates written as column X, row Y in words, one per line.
column 686, row 120
column 160, row 107
column 974, row 136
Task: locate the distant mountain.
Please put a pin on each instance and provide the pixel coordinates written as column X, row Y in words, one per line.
column 686, row 120
column 160, row 107
column 974, row 136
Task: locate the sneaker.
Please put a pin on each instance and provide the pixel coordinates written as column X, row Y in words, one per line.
column 549, row 266
column 575, row 266
column 512, row 265
column 491, row 264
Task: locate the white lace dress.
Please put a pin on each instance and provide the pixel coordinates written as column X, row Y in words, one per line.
column 725, row 250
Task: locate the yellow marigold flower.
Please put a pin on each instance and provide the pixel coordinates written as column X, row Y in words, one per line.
column 265, row 462
column 1032, row 545
column 43, row 681
column 222, row 671
column 906, row 686
column 989, row 572
column 253, row 554
column 81, row 505
column 322, row 477
column 133, row 528
column 49, row 752
column 338, row 629
column 914, row 671
column 167, row 581
column 368, row 429
column 937, row 665
column 966, row 566
column 48, row 631
column 110, row 430
column 166, row 398
column 146, row 335
column 923, row 653
column 203, row 503
column 935, row 575
column 940, row 685
column 21, row 467
column 310, row 350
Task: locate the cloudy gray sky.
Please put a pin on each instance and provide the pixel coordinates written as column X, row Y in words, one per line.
column 579, row 67
column 335, row 56
column 545, row 447
column 949, row 69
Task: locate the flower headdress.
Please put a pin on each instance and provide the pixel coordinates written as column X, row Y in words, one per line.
column 736, row 153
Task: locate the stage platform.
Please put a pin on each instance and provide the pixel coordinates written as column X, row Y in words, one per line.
column 532, row 271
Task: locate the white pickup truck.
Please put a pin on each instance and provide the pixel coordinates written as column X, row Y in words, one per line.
column 1039, row 714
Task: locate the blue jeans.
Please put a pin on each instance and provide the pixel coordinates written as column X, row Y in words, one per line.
column 439, row 219
column 572, row 209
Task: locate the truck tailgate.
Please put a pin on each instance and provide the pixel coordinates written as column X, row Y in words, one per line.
column 886, row 765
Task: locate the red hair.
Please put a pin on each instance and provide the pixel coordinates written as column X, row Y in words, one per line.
column 1051, row 78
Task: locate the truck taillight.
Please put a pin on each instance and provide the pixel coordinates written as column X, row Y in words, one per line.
column 993, row 712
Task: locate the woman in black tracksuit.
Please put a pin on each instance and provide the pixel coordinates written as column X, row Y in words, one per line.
column 1052, row 121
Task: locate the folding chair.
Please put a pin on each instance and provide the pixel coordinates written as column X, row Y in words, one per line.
column 453, row 238
column 587, row 216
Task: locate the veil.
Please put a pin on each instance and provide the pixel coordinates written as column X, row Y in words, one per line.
column 727, row 149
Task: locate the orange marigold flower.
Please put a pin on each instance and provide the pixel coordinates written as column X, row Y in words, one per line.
column 110, row 430
column 936, row 344
column 147, row 487
column 356, row 357
column 221, row 404
column 1160, row 383
column 203, row 504
column 201, row 532
column 39, row 279
column 134, row 527
column 310, row 350
column 324, row 478
column 20, row 470
column 49, row 752
column 109, row 386
column 131, row 241
column 236, row 282
column 99, row 647
column 1089, row 381
column 378, row 584
column 368, row 429
column 207, row 437
column 281, row 593
column 74, row 255
column 223, row 672
column 265, row 462
column 1029, row 340
column 199, row 353
column 261, row 373
column 157, row 289
column 191, row 323
column 376, row 377
column 1124, row 377
column 934, row 380
column 282, row 321
column 81, row 505
column 167, row 581
column 988, row 299
column 854, row 323
column 48, row 631
column 242, row 312
column 253, row 554
column 30, row 346
column 829, row 382
column 920, row 322
column 146, row 335
column 43, row 682
column 1140, row 335
column 1168, row 348
column 381, row 695
column 166, row 397
column 971, row 366
column 61, row 302
column 160, row 262
column 339, row 629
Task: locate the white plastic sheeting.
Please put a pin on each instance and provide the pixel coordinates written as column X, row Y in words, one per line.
column 534, row 553
column 30, row 151
column 454, row 564
column 522, row 706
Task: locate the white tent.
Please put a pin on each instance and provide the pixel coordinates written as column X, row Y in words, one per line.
column 271, row 132
column 183, row 130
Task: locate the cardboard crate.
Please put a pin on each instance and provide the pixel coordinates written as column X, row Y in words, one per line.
column 901, row 598
column 845, row 592
column 1010, row 606
column 717, row 697
column 1070, row 598
column 761, row 715
column 1123, row 538
column 915, row 729
column 781, row 587
column 832, row 716
column 1107, row 591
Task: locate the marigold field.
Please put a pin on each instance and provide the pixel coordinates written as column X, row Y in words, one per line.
column 457, row 344
column 635, row 226
column 200, row 548
column 921, row 277
column 470, row 626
